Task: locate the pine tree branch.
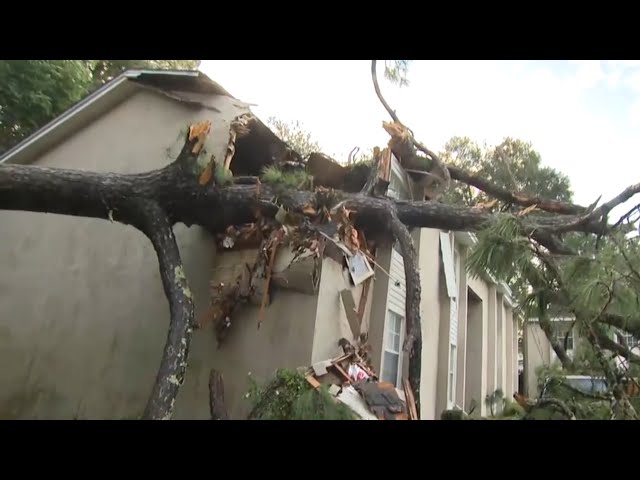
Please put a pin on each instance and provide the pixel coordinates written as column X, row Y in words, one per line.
column 413, row 341
column 155, row 224
column 446, row 176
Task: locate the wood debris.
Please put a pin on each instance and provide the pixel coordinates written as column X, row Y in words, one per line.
column 351, row 380
column 200, row 131
column 239, row 128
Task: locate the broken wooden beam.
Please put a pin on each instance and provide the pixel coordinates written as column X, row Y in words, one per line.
column 216, row 396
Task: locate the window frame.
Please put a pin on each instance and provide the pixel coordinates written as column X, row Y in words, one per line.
column 452, row 374
column 398, row 381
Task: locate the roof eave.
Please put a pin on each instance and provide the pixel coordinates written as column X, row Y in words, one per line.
column 28, row 148
column 19, row 151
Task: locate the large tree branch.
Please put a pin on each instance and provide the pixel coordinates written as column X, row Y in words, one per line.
column 413, row 341
column 453, row 172
column 109, row 195
column 615, row 347
column 446, row 176
column 155, row 224
column 516, row 198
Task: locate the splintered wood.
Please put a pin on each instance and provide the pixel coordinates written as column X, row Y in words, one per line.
column 200, row 131
column 410, row 400
column 272, row 248
column 239, row 128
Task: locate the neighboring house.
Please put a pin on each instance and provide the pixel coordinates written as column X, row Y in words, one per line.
column 538, row 351
column 84, row 316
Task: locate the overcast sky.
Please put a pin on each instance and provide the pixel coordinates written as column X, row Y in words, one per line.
column 582, row 116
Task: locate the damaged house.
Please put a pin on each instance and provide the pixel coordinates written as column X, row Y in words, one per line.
column 84, row 316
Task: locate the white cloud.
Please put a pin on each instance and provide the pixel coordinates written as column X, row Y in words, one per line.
column 485, row 100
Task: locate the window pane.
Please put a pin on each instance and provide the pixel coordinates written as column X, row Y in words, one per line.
column 396, row 342
column 395, row 323
column 451, row 387
column 452, row 359
column 389, row 340
column 390, row 367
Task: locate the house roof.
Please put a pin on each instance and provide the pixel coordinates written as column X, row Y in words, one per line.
column 103, row 99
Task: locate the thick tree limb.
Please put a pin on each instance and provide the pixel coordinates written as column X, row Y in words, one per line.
column 622, row 407
column 546, row 327
column 446, row 176
column 602, row 211
column 413, row 341
column 108, row 196
column 615, row 347
column 517, row 198
column 453, row 172
column 628, row 324
column 155, row 224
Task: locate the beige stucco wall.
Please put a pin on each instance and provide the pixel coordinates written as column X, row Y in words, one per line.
column 427, row 243
column 83, row 317
column 331, row 323
column 537, row 353
column 477, row 346
column 462, row 330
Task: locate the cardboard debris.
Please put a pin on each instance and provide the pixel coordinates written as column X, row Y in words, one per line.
column 320, row 368
column 351, row 381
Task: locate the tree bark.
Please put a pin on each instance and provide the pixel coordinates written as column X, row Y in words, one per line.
column 174, row 359
column 413, row 341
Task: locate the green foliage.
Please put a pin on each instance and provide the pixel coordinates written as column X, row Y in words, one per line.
column 397, row 71
column 33, row 92
column 297, row 179
column 222, row 176
column 288, row 396
column 513, row 165
column 104, row 70
column 512, row 410
column 319, row 405
column 500, row 250
column 294, row 135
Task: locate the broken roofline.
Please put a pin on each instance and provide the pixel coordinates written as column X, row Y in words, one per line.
column 62, row 125
column 98, row 100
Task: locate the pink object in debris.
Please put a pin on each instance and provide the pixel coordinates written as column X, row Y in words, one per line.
column 357, row 373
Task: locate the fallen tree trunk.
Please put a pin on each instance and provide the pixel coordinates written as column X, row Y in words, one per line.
column 153, row 202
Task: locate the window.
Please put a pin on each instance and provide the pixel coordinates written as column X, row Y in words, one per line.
column 452, row 375
column 628, row 340
column 559, row 334
column 392, row 361
column 397, row 189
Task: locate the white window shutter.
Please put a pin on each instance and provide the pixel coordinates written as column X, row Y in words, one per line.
column 447, row 262
column 453, row 322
